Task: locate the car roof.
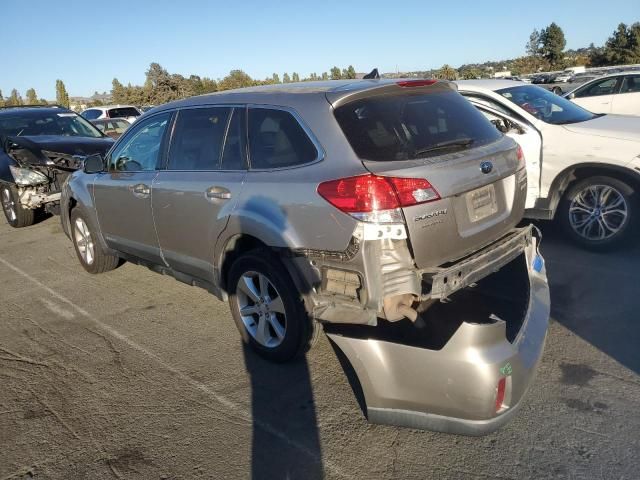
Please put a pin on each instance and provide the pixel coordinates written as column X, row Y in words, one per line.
column 291, row 93
column 108, row 107
column 490, row 84
column 33, row 110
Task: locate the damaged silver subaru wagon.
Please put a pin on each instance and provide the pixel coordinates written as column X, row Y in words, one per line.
column 385, row 210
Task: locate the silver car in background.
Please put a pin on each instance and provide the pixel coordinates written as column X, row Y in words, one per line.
column 386, row 210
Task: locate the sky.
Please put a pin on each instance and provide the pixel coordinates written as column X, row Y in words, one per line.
column 86, row 43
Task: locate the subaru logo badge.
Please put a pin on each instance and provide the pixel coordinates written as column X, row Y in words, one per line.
column 486, row 167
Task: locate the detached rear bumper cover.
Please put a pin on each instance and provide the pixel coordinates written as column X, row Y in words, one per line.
column 454, row 389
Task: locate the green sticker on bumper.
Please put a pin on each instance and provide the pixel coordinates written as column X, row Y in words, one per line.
column 507, row 369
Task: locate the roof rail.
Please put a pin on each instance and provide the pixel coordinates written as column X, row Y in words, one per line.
column 34, row 106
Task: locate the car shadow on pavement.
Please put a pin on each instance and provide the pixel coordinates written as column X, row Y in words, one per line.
column 286, row 440
column 595, row 295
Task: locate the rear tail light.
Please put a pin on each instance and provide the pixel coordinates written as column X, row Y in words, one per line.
column 520, row 155
column 502, row 386
column 372, row 198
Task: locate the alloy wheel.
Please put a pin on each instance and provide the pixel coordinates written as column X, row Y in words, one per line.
column 261, row 309
column 9, row 205
column 84, row 241
column 598, row 212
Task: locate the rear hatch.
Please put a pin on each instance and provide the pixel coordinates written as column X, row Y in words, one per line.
column 431, row 132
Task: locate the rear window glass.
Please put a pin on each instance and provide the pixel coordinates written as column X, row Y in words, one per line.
column 91, row 114
column 277, row 140
column 409, row 126
column 123, row 112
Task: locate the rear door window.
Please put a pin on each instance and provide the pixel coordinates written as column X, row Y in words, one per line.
column 416, row 125
column 277, row 140
column 123, row 112
column 631, row 84
column 198, row 138
column 603, row 87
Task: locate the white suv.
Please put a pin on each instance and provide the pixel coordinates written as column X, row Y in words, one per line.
column 615, row 93
column 128, row 112
column 582, row 168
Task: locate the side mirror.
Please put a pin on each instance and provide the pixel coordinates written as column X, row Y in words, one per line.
column 571, row 96
column 93, row 164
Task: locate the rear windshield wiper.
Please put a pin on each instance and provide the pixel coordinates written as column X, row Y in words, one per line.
column 459, row 142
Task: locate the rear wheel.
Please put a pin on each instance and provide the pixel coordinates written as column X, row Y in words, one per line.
column 17, row 216
column 268, row 308
column 599, row 212
column 90, row 253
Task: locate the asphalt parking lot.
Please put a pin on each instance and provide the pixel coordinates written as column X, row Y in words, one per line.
column 134, row 375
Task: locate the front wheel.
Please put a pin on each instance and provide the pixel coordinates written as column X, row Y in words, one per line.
column 268, row 308
column 89, row 251
column 17, row 216
column 599, row 212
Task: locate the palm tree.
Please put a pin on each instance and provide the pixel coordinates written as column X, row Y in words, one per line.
column 447, row 72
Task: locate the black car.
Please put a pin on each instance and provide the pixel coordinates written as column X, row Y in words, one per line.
column 40, row 146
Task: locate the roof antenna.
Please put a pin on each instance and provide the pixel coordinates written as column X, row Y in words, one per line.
column 373, row 74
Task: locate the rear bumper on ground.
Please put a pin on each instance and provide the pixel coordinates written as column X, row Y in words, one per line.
column 454, row 389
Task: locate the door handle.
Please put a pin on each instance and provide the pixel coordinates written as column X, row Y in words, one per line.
column 217, row 193
column 140, row 190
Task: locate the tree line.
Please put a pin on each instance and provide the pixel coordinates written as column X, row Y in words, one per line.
column 545, row 51
column 31, row 97
column 160, row 86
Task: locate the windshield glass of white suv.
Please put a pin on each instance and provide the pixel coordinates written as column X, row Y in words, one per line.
column 64, row 123
column 410, row 126
column 546, row 105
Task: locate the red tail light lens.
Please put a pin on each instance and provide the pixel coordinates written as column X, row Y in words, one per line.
column 372, row 193
column 416, row 83
column 502, row 386
column 520, row 155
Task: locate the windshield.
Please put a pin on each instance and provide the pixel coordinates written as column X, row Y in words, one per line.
column 545, row 105
column 409, row 126
column 47, row 123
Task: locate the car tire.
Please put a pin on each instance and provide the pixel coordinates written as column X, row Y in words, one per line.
column 268, row 309
column 17, row 216
column 557, row 90
column 599, row 213
column 92, row 256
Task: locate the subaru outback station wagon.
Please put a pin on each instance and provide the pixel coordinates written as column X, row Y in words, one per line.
column 357, row 202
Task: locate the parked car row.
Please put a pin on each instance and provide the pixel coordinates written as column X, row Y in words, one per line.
column 388, row 211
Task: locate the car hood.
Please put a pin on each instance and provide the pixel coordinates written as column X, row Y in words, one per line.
column 54, row 151
column 69, row 145
column 622, row 127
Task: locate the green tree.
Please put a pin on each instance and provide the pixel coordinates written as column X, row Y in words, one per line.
column 295, row 77
column 62, row 97
column 275, row 78
column 1, row 99
column 32, row 97
column 447, row 72
column 533, row 45
column 235, row 79
column 42, row 101
column 622, row 47
column 470, row 73
column 14, row 99
column 286, row 78
column 118, row 92
column 552, row 44
column 325, row 76
column 336, row 74
column 209, row 85
column 351, row 72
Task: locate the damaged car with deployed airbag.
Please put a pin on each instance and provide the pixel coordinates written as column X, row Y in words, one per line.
column 385, row 211
column 40, row 146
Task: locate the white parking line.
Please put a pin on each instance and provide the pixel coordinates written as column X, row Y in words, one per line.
column 238, row 409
